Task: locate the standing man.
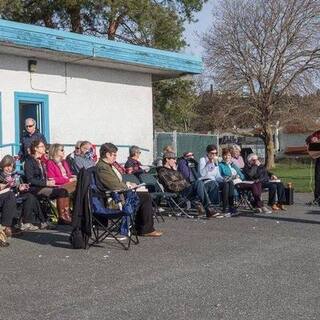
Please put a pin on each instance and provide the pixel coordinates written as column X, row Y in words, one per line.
column 315, row 138
column 31, row 134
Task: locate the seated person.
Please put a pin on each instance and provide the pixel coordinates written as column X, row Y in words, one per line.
column 230, row 174
column 133, row 165
column 31, row 210
column 236, row 156
column 40, row 185
column 70, row 157
column 111, row 179
column 58, row 169
column 158, row 161
column 8, row 211
column 188, row 167
column 174, row 181
column 84, row 158
column 209, row 164
column 254, row 170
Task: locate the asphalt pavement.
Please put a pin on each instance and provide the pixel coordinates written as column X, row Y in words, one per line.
column 247, row 267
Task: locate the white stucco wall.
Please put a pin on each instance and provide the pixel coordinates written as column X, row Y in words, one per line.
column 91, row 103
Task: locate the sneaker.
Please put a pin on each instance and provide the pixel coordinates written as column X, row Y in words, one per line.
column 227, row 215
column 266, row 210
column 47, row 226
column 234, row 212
column 259, row 210
column 218, row 215
column 28, row 227
column 211, row 212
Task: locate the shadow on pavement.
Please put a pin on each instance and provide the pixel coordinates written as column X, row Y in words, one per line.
column 55, row 238
column 278, row 218
column 313, row 212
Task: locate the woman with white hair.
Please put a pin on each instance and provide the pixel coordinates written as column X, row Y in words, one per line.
column 236, row 156
column 254, row 170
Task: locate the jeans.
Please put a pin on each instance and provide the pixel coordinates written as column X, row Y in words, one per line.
column 205, row 192
column 275, row 189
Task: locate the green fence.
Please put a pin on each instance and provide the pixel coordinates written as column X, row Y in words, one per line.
column 183, row 142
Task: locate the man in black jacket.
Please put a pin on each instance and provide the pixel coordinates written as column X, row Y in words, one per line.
column 31, row 134
column 254, row 170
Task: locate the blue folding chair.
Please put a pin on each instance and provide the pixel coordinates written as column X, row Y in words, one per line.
column 114, row 222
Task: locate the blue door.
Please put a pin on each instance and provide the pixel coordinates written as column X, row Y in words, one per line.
column 31, row 105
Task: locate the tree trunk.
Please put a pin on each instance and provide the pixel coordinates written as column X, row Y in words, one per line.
column 269, row 147
column 75, row 19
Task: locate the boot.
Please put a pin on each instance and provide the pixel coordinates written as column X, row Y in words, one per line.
column 63, row 211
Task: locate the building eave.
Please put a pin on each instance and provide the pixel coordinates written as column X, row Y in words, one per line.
column 41, row 42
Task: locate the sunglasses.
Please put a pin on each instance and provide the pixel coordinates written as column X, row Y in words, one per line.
column 29, row 126
column 62, row 150
column 213, row 152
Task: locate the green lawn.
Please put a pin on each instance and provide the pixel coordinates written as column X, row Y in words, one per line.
column 298, row 174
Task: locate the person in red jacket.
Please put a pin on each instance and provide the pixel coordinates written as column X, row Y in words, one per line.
column 58, row 169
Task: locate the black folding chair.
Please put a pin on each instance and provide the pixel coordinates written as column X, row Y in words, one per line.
column 107, row 221
column 243, row 200
column 156, row 192
column 134, row 179
column 175, row 201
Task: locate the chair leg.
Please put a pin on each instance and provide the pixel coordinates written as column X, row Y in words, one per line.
column 157, row 211
column 182, row 212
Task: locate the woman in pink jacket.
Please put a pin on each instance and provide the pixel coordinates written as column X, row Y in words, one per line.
column 59, row 171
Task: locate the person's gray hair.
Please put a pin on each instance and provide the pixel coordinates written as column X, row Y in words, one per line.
column 133, row 150
column 31, row 119
column 78, row 144
column 236, row 147
column 250, row 156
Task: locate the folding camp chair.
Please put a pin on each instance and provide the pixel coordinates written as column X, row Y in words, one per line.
column 175, row 201
column 134, row 179
column 109, row 221
column 243, row 199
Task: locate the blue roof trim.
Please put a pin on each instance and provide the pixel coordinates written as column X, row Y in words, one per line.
column 32, row 36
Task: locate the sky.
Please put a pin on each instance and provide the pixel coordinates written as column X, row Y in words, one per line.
column 194, row 30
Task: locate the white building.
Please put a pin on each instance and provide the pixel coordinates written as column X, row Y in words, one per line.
column 80, row 87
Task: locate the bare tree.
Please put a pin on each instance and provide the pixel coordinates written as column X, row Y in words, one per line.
column 265, row 50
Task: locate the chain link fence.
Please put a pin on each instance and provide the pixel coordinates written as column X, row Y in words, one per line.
column 197, row 143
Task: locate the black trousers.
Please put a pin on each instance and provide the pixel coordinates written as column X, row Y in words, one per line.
column 8, row 208
column 317, row 179
column 31, row 209
column 144, row 216
column 227, row 188
column 276, row 189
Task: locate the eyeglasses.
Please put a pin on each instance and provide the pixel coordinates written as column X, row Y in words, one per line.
column 62, row 150
column 213, row 152
column 29, row 126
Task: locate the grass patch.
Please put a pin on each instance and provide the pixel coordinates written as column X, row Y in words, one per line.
column 298, row 174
